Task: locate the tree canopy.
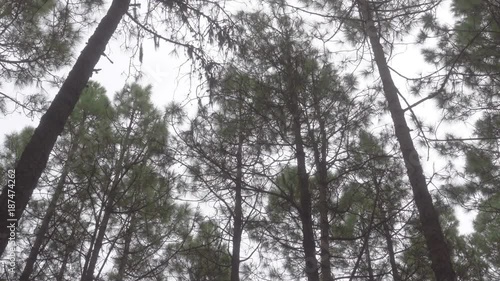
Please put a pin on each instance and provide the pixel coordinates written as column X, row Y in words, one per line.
column 309, row 152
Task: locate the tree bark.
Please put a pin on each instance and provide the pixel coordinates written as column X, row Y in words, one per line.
column 326, row 270
column 70, row 247
column 238, row 212
column 320, row 156
column 122, row 266
column 305, row 206
column 88, row 274
column 64, row 264
column 366, row 239
column 91, row 261
column 369, row 266
column 429, row 218
column 390, row 249
column 40, row 235
column 36, row 154
column 308, row 241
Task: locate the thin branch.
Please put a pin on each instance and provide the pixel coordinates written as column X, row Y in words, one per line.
column 465, row 139
column 448, row 75
column 18, row 103
column 154, row 33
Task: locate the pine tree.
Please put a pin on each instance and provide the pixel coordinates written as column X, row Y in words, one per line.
column 203, row 256
column 38, row 37
column 34, row 159
column 35, row 156
column 307, row 112
column 226, row 144
column 93, row 107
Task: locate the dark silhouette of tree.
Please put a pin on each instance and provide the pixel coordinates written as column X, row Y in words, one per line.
column 439, row 252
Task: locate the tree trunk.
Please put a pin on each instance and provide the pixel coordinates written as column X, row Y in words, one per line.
column 308, row 243
column 366, row 238
column 320, row 156
column 88, row 273
column 64, row 265
column 36, row 154
column 122, row 266
column 369, row 266
column 436, row 243
column 238, row 212
column 390, row 249
column 93, row 238
column 305, row 207
column 40, row 235
column 70, row 247
column 326, row 271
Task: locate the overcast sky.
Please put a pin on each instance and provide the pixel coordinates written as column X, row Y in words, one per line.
column 169, row 76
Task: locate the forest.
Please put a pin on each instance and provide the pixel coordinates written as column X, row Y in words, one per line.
column 308, row 152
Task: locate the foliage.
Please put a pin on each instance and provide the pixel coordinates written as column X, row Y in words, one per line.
column 203, row 257
column 287, row 159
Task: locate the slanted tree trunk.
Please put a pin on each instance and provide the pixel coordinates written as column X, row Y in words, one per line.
column 91, row 260
column 88, row 274
column 70, row 247
column 42, row 231
column 122, row 266
column 436, row 243
column 390, row 248
column 369, row 266
column 93, row 238
column 36, row 154
column 366, row 240
column 367, row 233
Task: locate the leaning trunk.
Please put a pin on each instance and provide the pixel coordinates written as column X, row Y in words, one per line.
column 42, row 231
column 70, row 248
column 91, row 260
column 369, row 266
column 88, row 274
column 64, row 265
column 436, row 243
column 36, row 154
column 366, row 239
column 390, row 249
column 122, row 266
